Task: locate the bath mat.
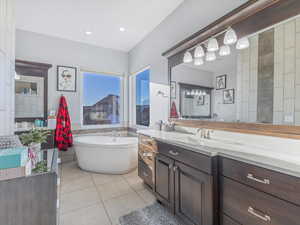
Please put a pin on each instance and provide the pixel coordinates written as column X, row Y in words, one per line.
column 151, row 215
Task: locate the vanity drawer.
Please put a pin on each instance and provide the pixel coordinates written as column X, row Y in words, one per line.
column 225, row 220
column 145, row 173
column 280, row 185
column 196, row 160
column 249, row 206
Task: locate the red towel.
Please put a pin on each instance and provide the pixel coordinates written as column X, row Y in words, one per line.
column 63, row 134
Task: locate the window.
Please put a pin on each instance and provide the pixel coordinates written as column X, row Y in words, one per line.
column 143, row 98
column 101, row 99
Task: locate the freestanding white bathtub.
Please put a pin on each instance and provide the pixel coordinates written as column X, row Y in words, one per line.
column 106, row 154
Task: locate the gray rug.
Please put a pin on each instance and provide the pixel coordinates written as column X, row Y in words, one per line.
column 151, row 215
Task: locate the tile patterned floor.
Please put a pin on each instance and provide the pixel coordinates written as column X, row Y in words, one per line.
column 99, row 199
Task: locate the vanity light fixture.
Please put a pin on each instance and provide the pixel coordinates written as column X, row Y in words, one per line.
column 198, row 62
column 224, row 50
column 199, row 52
column 188, row 58
column 242, row 43
column 88, row 32
column 230, row 37
column 212, row 45
column 210, row 56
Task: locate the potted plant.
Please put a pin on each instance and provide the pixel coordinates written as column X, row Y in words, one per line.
column 33, row 139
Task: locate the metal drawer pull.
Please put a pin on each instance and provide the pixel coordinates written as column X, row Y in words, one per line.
column 173, row 153
column 265, row 218
column 264, row 181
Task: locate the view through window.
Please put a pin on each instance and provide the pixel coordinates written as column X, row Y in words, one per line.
column 143, row 98
column 101, row 99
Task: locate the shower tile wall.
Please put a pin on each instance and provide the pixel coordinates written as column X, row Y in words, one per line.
column 287, row 76
column 247, row 68
column 286, row 89
column 7, row 66
column 265, row 77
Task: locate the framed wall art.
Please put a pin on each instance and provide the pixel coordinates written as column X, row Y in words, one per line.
column 66, row 78
column 221, row 82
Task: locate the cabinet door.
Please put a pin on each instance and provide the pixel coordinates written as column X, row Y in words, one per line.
column 193, row 195
column 164, row 180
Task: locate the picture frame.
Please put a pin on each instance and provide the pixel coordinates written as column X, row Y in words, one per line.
column 221, row 82
column 201, row 100
column 228, row 96
column 173, row 89
column 66, row 78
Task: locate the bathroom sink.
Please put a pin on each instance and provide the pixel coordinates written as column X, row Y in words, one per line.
column 211, row 142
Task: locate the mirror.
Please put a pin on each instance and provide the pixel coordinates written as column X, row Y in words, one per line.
column 260, row 84
column 31, row 92
column 29, row 97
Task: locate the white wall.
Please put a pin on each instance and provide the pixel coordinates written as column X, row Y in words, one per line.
column 41, row 48
column 225, row 112
column 7, row 66
column 188, row 18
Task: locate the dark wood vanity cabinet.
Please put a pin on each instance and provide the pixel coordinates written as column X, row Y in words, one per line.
column 193, row 195
column 164, row 180
column 185, row 190
column 251, row 195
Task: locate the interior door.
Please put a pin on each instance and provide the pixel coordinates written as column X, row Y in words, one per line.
column 164, row 180
column 193, row 195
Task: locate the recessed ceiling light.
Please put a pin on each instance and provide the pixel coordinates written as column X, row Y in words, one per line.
column 122, row 29
column 88, row 32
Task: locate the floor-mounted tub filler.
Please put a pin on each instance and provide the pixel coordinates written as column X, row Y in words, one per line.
column 106, row 154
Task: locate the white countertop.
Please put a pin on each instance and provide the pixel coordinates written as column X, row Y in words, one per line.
column 282, row 160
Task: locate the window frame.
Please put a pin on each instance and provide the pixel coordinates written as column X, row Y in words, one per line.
column 122, row 96
column 132, row 98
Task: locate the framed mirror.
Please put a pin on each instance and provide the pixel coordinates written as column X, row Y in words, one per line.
column 255, row 81
column 31, row 91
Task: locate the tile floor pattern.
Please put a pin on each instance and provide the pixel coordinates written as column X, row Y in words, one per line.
column 99, row 199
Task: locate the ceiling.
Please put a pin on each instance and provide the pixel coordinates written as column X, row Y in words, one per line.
column 71, row 19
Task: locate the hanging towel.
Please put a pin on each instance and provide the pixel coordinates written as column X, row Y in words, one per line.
column 63, row 134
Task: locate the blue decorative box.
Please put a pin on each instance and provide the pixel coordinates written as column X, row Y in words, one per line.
column 13, row 157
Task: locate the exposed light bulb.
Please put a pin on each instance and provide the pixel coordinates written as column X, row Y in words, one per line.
column 199, row 52
column 213, row 45
column 122, row 29
column 242, row 43
column 224, row 50
column 230, row 37
column 210, row 56
column 198, row 62
column 188, row 58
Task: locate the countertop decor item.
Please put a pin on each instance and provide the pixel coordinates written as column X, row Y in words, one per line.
column 33, row 140
column 35, row 136
column 13, row 157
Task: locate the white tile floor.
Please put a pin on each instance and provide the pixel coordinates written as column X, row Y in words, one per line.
column 99, row 199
